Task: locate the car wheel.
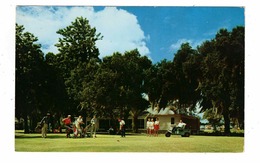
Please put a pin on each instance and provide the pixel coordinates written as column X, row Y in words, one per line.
column 167, row 134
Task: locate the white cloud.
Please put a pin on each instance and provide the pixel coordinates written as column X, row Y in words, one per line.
column 175, row 46
column 120, row 29
column 193, row 43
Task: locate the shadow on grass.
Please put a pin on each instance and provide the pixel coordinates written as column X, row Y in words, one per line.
column 63, row 136
column 49, row 136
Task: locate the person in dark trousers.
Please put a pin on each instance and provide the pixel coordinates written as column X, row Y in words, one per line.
column 122, row 127
column 67, row 123
column 45, row 123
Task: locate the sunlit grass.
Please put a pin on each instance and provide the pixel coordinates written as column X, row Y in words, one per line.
column 131, row 143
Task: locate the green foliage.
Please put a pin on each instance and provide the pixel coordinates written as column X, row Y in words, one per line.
column 186, row 70
column 213, row 117
column 77, row 81
column 160, row 83
column 78, row 41
column 118, row 84
column 29, row 79
column 77, row 58
column 222, row 70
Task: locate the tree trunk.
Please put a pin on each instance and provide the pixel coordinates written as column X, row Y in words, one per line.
column 227, row 121
column 26, row 128
column 134, row 123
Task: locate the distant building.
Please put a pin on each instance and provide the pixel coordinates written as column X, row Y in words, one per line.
column 166, row 117
column 168, row 120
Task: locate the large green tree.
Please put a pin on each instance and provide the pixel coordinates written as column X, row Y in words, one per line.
column 55, row 95
column 117, row 88
column 113, row 87
column 160, row 85
column 186, row 64
column 77, row 49
column 29, row 80
column 222, row 82
column 137, row 67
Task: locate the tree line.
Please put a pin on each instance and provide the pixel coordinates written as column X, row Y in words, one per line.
column 76, row 81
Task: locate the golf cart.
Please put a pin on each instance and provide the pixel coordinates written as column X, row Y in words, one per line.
column 184, row 131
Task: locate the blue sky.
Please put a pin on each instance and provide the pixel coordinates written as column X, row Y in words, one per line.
column 168, row 27
column 156, row 32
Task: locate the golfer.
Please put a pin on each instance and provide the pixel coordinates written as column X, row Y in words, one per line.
column 122, row 126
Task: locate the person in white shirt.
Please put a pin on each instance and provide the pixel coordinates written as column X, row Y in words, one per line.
column 179, row 125
column 79, row 121
column 122, row 127
column 151, row 127
column 148, row 126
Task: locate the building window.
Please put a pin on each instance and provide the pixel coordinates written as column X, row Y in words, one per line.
column 172, row 120
column 140, row 123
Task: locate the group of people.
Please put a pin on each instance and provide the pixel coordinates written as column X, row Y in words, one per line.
column 78, row 127
column 152, row 126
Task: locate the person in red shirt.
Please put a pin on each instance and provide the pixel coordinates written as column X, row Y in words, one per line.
column 67, row 123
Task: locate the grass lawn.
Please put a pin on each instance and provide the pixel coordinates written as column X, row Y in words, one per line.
column 131, row 143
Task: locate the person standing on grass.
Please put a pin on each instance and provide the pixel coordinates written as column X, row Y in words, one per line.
column 67, row 123
column 78, row 124
column 93, row 126
column 122, row 126
column 148, row 127
column 45, row 123
column 156, row 126
column 151, row 127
